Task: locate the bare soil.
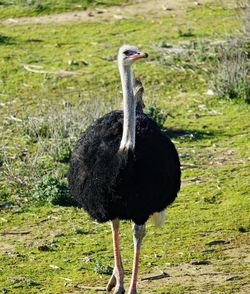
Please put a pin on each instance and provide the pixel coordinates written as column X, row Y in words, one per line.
column 205, row 278
column 147, row 9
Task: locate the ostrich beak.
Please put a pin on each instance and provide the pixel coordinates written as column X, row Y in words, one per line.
column 139, row 55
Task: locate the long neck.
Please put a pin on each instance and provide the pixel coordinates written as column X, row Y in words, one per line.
column 129, row 120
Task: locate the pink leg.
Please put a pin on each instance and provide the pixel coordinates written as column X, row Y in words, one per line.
column 138, row 233
column 116, row 279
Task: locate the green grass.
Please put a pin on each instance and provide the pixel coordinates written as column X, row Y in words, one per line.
column 211, row 134
column 18, row 8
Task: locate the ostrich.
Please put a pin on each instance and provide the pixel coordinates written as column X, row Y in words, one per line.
column 124, row 168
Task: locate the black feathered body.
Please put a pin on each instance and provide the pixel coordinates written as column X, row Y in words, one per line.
column 107, row 186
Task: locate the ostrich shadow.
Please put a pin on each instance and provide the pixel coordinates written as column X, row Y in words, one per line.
column 189, row 134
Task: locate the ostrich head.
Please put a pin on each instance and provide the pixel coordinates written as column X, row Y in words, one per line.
column 128, row 54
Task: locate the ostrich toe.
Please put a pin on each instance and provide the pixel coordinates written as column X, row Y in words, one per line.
column 111, row 283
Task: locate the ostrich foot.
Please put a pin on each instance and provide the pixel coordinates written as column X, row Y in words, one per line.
column 119, row 289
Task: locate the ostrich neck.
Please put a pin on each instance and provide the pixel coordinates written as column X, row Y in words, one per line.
column 128, row 135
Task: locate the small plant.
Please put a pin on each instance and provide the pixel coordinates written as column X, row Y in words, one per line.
column 63, row 152
column 36, row 5
column 80, row 231
column 103, row 269
column 52, row 190
column 35, row 128
column 231, row 79
column 164, row 44
column 6, row 40
column 186, row 34
column 244, row 229
column 157, row 114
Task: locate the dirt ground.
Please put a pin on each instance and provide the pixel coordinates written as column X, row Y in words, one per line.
column 147, row 9
column 200, row 277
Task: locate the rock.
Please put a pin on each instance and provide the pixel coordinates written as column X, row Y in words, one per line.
column 166, row 8
column 100, row 11
column 157, row 277
column 85, row 259
column 72, row 62
column 118, row 16
column 16, row 279
column 55, row 267
column 83, row 62
column 232, row 278
column 13, row 254
column 210, row 92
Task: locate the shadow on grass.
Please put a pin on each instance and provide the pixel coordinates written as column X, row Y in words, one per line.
column 190, row 135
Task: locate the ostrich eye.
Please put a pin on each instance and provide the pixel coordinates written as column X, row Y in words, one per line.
column 129, row 52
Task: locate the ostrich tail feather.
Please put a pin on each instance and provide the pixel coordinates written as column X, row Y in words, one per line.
column 158, row 218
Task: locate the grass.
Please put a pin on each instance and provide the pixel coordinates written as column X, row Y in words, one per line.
column 19, row 8
column 55, row 248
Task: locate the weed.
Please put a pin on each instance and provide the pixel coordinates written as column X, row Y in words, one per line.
column 156, row 113
column 36, row 5
column 164, row 44
column 186, row 34
column 103, row 269
column 6, row 40
column 80, row 231
column 214, row 199
column 231, row 79
column 244, row 229
column 51, row 190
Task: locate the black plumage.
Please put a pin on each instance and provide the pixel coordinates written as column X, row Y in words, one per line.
column 108, row 186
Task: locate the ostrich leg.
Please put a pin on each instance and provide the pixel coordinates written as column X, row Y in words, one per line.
column 116, row 279
column 138, row 233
